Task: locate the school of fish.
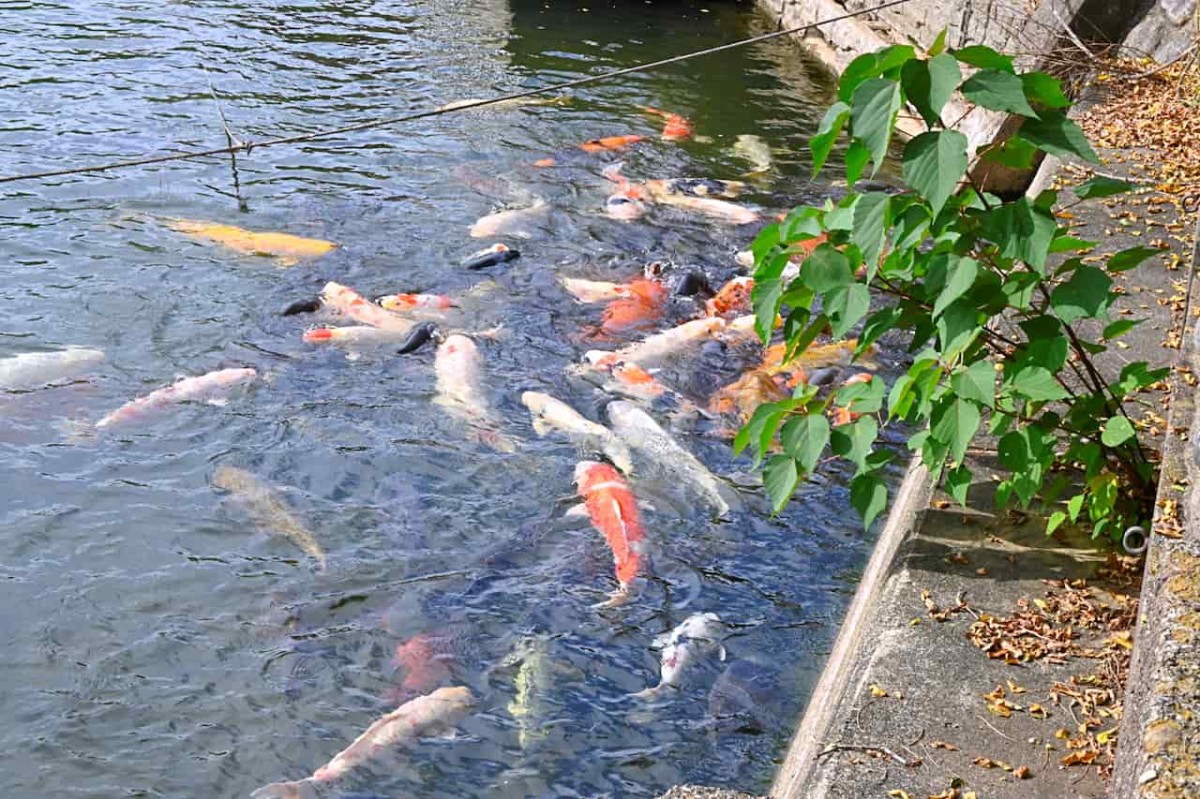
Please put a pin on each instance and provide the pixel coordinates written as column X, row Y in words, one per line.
column 653, row 327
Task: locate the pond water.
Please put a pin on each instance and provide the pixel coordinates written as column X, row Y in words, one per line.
column 158, row 643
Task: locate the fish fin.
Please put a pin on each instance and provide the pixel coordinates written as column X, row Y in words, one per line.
column 577, row 510
column 615, row 599
column 646, row 506
column 648, row 693
column 540, row 427
column 218, row 402
column 721, row 652
column 283, row 790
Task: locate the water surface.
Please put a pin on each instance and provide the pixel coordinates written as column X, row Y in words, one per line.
column 159, row 645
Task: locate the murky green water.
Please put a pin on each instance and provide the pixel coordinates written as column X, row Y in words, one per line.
column 156, row 643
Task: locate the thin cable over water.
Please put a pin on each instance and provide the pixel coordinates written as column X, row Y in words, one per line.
column 246, row 147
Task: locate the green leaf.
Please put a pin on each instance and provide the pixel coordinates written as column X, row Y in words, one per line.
column 957, row 327
column 1023, row 231
column 780, row 478
column 857, row 156
column 960, row 277
column 934, row 163
column 1127, row 259
column 1044, row 90
column 846, row 306
column 1054, row 133
column 999, row 91
column 868, row 495
column 1120, row 328
column 864, row 397
column 929, row 84
column 765, row 298
column 1013, row 152
column 939, row 43
column 1102, row 186
column 1067, row 243
column 827, row 134
column 873, row 115
column 976, row 382
column 853, row 441
column 1019, row 289
column 1037, row 384
column 760, row 430
column 954, row 423
column 826, row 269
column 1055, row 521
column 872, row 65
column 1117, row 430
column 1084, row 296
column 978, row 55
column 871, row 222
column 958, row 481
column 1074, row 505
column 1137, row 375
column 804, row 438
column 876, row 325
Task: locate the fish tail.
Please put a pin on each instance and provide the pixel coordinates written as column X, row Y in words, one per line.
column 284, row 790
column 648, row 693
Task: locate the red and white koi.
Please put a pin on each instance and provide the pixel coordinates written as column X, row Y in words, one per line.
column 354, row 335
column 458, row 367
column 413, row 302
column 700, row 634
column 210, row 388
column 426, row 715
column 351, row 304
column 612, row 509
column 676, row 127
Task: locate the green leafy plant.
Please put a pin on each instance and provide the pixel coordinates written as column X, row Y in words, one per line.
column 1003, row 314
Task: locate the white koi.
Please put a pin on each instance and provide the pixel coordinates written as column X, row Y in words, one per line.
column 513, row 222
column 700, row 634
column 210, row 388
column 32, row 369
column 553, row 414
column 656, row 349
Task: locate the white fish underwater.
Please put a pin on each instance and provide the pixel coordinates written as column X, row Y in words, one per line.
column 517, row 222
column 700, row 634
column 267, row 510
column 649, row 441
column 33, row 369
column 210, row 388
column 753, row 149
column 553, row 414
column 458, row 367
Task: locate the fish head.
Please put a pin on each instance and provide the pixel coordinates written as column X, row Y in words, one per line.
column 231, row 377
column 622, row 207
column 229, row 478
column 456, row 696
column 592, row 473
column 535, row 401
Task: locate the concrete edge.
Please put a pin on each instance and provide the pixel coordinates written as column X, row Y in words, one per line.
column 904, row 519
column 1158, row 750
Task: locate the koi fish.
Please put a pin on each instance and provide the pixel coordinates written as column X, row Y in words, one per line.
column 425, row 659
column 631, row 380
column 801, row 250
column 533, row 684
column 677, row 127
column 843, row 415
column 349, row 303
column 654, row 350
column 644, row 304
column 417, row 718
column 609, row 143
column 32, row 369
column 646, row 438
column 699, row 634
column 592, row 291
column 552, row 414
column 210, row 388
column 732, row 300
column 718, row 209
column 612, row 509
column 412, row 302
column 753, row 149
column 458, row 367
column 289, row 250
column 823, row 356
column 492, row 256
column 693, row 187
column 267, row 510
column 625, row 206
column 354, row 336
column 743, row 396
column 513, row 222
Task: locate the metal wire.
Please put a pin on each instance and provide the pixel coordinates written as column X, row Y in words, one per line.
column 246, row 147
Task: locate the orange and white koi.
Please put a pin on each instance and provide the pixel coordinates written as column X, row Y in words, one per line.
column 354, row 335
column 822, row 356
column 643, row 305
column 677, row 127
column 425, row 659
column 609, row 143
column 631, row 380
column 718, row 209
column 426, row 715
column 412, row 302
column 349, row 303
column 612, row 509
column 210, row 388
column 732, row 300
column 289, row 250
column 743, row 396
column 655, row 349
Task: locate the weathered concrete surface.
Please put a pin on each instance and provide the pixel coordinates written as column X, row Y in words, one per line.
column 700, row 792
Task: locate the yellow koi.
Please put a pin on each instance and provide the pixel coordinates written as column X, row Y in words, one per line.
column 287, row 249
